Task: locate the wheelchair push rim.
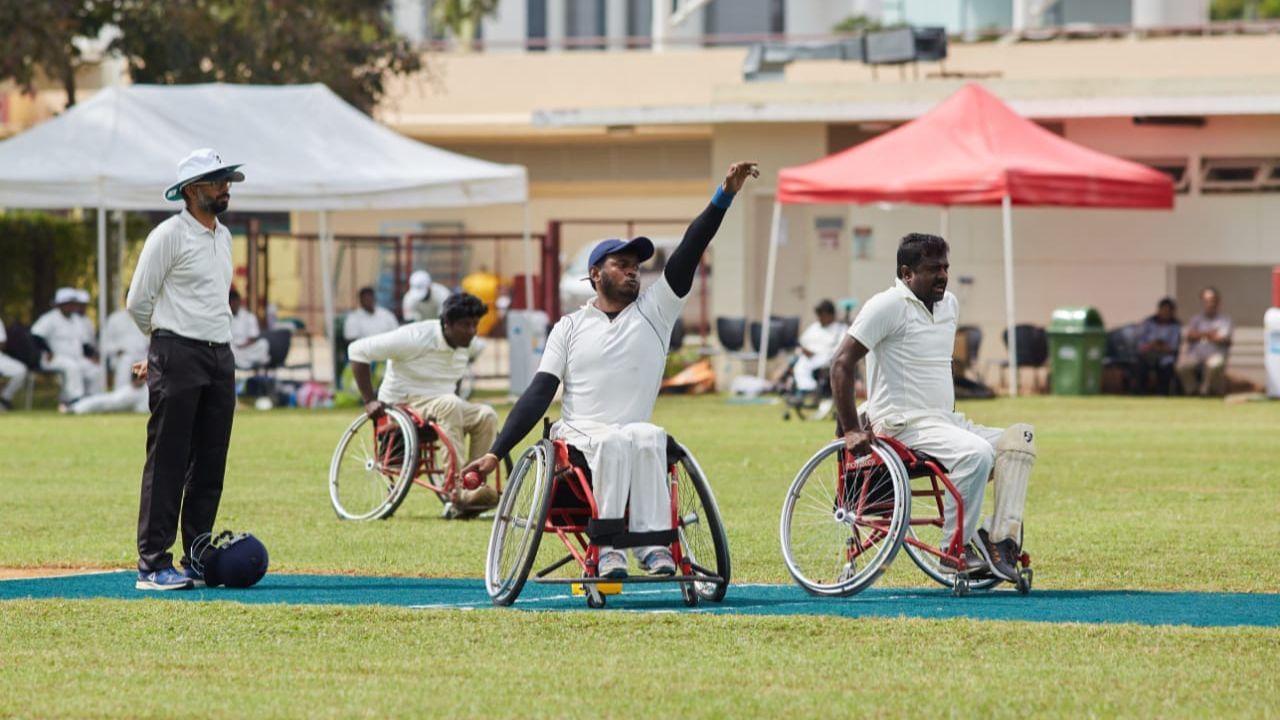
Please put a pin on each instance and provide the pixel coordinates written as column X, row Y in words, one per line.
column 924, row 536
column 373, row 466
column 700, row 529
column 518, row 525
column 843, row 523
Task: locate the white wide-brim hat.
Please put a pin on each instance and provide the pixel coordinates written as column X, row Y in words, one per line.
column 64, row 295
column 202, row 164
column 82, row 296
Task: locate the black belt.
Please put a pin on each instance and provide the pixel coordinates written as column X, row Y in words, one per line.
column 184, row 338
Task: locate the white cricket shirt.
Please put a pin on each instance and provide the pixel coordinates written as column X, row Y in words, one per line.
column 909, row 366
column 420, row 362
column 64, row 334
column 244, row 328
column 182, row 280
column 821, row 340
column 361, row 324
column 611, row 370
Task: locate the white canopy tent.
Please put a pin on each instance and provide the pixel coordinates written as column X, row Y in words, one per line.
column 304, row 149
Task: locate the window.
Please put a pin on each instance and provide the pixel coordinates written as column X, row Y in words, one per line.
column 1234, row 175
column 1175, row 168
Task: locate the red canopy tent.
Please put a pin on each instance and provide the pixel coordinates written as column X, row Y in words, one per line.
column 971, row 149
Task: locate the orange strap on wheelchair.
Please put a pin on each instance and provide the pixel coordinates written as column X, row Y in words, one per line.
column 613, row 533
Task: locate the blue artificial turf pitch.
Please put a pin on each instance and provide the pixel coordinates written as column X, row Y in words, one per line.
column 1079, row 606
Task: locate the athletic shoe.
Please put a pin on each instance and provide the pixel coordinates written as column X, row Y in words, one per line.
column 659, row 562
column 195, row 576
column 973, row 562
column 613, row 564
column 1001, row 557
column 166, row 579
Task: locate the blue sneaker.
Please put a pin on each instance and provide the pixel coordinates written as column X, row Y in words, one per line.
column 195, row 576
column 612, row 565
column 659, row 562
column 166, row 579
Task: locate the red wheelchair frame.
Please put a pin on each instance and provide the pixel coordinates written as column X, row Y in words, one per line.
column 866, row 508
column 434, row 468
column 569, row 509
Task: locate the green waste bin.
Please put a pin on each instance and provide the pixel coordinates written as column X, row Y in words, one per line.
column 1077, row 341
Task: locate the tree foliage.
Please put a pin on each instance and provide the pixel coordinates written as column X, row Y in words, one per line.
column 462, row 17
column 348, row 45
column 39, row 37
column 41, row 253
column 1244, row 9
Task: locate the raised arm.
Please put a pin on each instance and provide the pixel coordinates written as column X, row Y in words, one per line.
column 530, row 408
column 843, row 373
column 683, row 263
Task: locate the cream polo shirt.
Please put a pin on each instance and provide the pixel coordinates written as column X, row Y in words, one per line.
column 360, row 324
column 419, row 361
column 611, row 370
column 182, row 280
column 909, row 366
column 65, row 335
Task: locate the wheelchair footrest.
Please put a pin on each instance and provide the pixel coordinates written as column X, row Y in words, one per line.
column 631, row 580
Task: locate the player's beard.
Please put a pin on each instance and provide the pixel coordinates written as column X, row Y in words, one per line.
column 618, row 293
column 215, row 205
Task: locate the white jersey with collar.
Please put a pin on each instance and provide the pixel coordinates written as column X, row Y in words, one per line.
column 909, row 366
column 611, row 369
column 63, row 333
column 420, row 362
column 361, row 323
column 182, row 280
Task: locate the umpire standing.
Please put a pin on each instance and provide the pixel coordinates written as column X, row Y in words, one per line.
column 179, row 298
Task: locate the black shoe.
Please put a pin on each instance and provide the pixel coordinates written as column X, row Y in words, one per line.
column 973, row 562
column 5, row 405
column 1001, row 557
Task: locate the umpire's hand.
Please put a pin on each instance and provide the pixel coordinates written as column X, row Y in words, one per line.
column 139, row 370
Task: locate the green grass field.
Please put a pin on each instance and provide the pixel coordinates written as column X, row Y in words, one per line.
column 1140, row 494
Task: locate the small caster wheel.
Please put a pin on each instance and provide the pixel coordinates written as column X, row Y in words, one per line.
column 960, row 588
column 1024, row 581
column 595, row 599
column 690, row 594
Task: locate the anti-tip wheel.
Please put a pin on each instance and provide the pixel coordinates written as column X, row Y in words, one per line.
column 1024, row 581
column 595, row 599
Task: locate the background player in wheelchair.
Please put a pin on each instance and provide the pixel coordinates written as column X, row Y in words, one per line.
column 907, row 334
column 805, row 382
column 609, row 355
column 424, row 362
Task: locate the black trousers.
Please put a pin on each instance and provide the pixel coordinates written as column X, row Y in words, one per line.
column 193, row 400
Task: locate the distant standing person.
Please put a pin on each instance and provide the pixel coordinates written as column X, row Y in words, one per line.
column 425, row 298
column 179, row 298
column 1203, row 367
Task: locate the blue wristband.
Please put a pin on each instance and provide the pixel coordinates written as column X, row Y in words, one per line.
column 723, row 198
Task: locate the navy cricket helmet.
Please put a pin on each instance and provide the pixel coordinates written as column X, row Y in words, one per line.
column 237, row 560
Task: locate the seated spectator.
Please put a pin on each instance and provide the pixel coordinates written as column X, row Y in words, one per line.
column 87, row 330
column 1202, row 369
column 1158, row 339
column 368, row 319
column 248, row 346
column 123, row 344
column 424, row 299
column 61, row 339
column 12, row 368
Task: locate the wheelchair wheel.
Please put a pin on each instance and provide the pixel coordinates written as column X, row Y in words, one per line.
column 701, row 531
column 439, row 462
column 518, row 523
column 843, row 523
column 925, row 507
column 371, row 470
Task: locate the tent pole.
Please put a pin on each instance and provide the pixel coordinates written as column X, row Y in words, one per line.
column 326, row 275
column 121, row 242
column 526, row 242
column 1006, row 208
column 774, row 235
column 102, row 281
column 944, row 226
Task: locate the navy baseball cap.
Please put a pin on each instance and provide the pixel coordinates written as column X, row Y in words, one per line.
column 642, row 245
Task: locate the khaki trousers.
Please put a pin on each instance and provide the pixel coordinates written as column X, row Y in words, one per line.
column 459, row 418
column 1213, row 380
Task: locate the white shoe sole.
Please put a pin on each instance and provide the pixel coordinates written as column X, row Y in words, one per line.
column 148, row 585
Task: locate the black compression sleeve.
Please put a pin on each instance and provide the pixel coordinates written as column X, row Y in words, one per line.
column 531, row 406
column 683, row 263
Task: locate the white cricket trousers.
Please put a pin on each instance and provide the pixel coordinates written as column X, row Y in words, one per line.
column 627, row 461
column 16, row 371
column 965, row 449
column 80, row 376
column 122, row 399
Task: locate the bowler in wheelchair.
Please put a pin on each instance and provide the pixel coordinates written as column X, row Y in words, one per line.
column 907, row 333
column 610, row 355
